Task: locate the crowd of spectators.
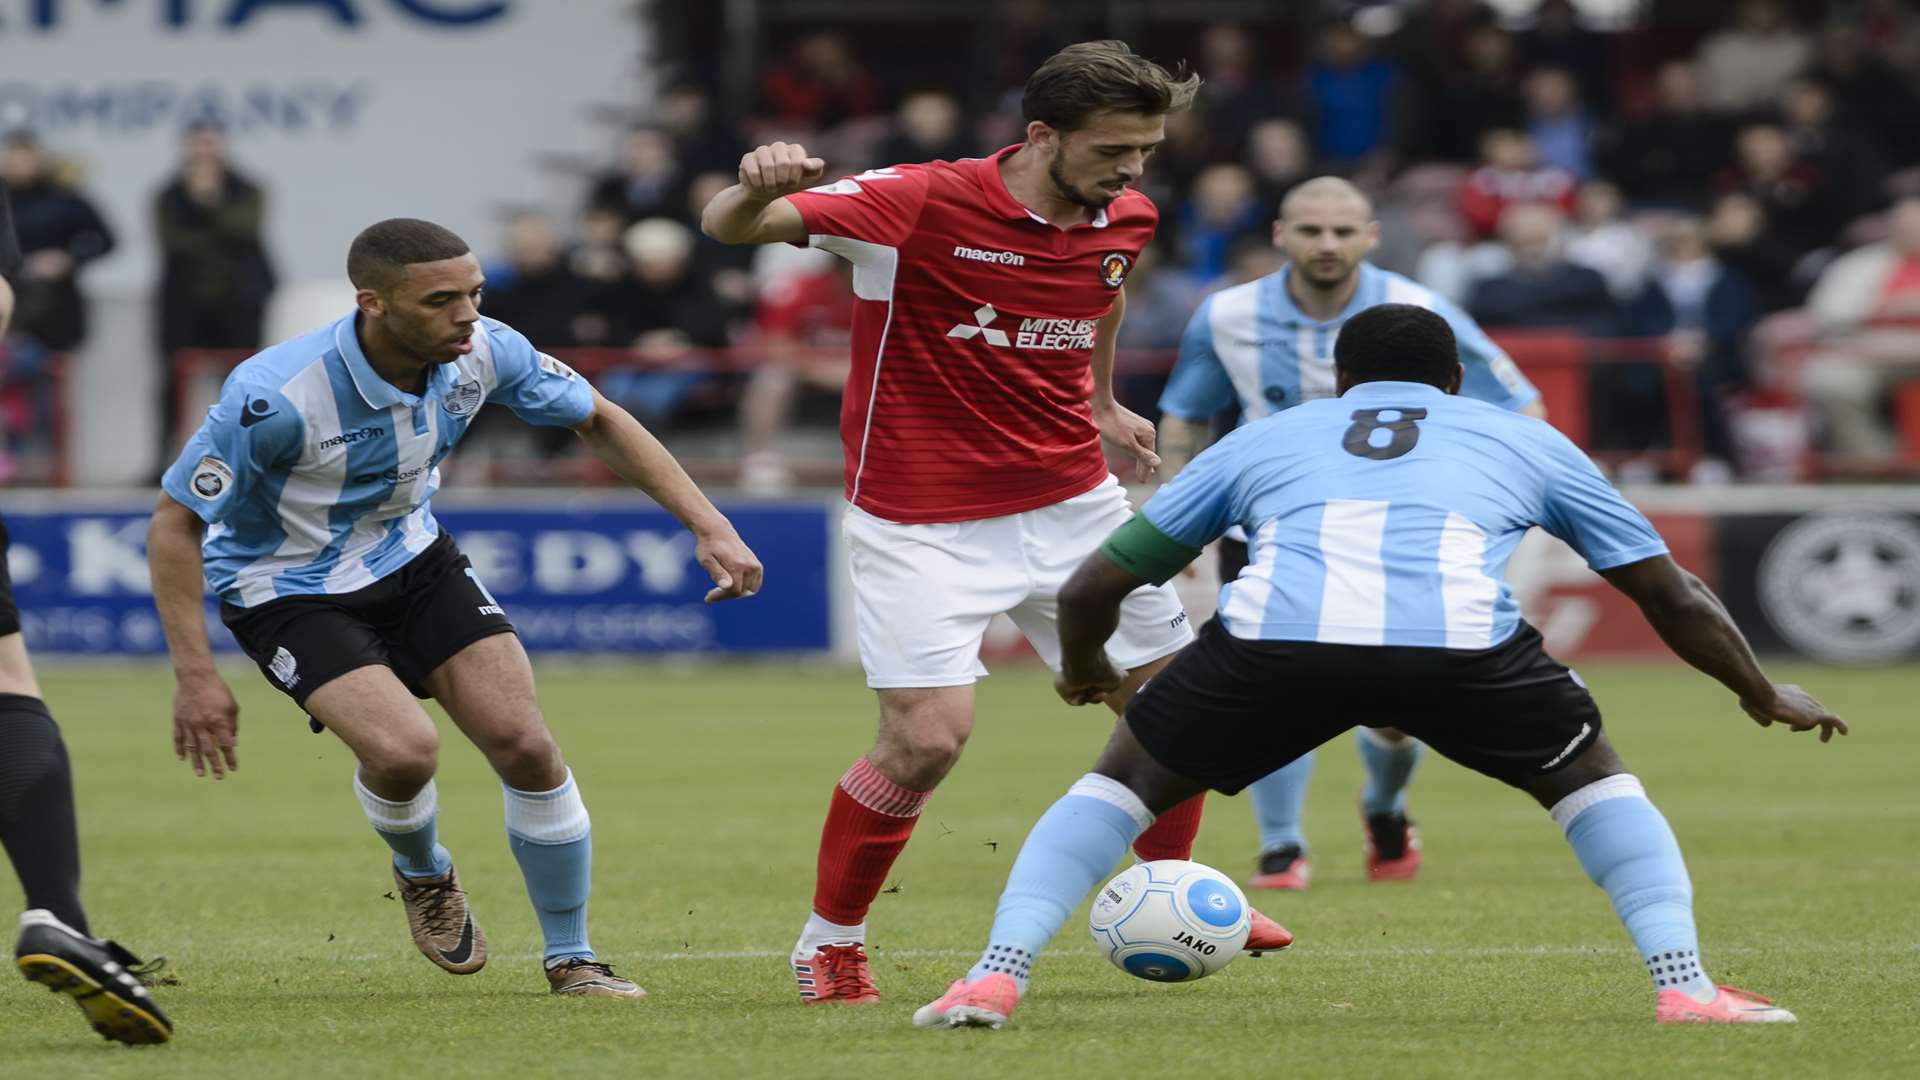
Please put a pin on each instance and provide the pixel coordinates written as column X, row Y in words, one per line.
column 214, row 283
column 1746, row 200
column 1540, row 175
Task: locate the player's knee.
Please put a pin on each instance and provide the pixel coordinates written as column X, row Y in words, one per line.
column 920, row 757
column 407, row 759
column 524, row 756
column 30, row 748
column 1595, row 763
column 921, row 735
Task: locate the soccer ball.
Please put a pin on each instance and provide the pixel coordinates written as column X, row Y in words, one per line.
column 1170, row 920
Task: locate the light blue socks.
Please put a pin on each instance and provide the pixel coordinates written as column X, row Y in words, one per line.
column 1277, row 800
column 1389, row 768
column 1074, row 845
column 410, row 828
column 552, row 840
column 1626, row 846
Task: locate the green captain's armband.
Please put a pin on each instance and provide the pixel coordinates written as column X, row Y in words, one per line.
column 1147, row 553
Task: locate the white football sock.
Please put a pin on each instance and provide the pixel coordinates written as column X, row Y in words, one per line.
column 819, row 931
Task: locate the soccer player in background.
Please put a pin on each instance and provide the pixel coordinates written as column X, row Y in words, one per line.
column 37, row 823
column 303, row 502
column 1381, row 524
column 1268, row 345
column 989, row 291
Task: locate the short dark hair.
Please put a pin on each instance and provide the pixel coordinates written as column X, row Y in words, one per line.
column 1098, row 76
column 384, row 249
column 1400, row 342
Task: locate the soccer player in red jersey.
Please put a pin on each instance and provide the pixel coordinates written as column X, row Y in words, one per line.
column 988, row 294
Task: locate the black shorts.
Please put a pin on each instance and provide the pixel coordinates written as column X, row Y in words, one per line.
column 1227, row 712
column 9, row 612
column 412, row 621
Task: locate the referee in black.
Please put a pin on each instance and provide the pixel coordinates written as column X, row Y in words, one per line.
column 54, row 947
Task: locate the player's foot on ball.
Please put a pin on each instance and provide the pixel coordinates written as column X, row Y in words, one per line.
column 442, row 926
column 1265, row 935
column 838, row 972
column 1393, row 848
column 1729, row 1006
column 103, row 979
column 1282, row 868
column 985, row 1002
column 580, row 976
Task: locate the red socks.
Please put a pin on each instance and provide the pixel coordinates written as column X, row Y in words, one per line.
column 1171, row 834
column 868, row 823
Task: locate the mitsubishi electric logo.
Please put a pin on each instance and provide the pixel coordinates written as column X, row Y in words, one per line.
column 1053, row 335
column 982, row 316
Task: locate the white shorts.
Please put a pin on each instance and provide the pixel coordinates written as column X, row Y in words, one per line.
column 924, row 594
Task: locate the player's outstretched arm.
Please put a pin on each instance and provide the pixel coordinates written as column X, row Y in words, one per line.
column 206, row 719
column 1693, row 622
column 6, row 305
column 754, row 211
column 629, row 449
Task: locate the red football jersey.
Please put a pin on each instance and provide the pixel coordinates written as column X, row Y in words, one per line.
column 972, row 335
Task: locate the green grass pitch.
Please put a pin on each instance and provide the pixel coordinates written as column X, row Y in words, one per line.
column 707, row 785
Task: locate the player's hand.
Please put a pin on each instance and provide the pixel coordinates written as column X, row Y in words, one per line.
column 1798, row 710
column 1088, row 684
column 780, row 169
column 735, row 570
column 206, row 725
column 1133, row 432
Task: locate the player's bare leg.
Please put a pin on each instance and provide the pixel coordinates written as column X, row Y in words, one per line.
column 16, row 669
column 488, row 690
column 874, row 809
column 1626, row 846
column 1171, row 834
column 399, row 750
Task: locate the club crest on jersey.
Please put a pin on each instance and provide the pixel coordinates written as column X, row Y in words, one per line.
column 210, row 477
column 1114, row 267
column 463, row 399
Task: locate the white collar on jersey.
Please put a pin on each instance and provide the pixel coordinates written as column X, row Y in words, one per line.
column 1383, row 389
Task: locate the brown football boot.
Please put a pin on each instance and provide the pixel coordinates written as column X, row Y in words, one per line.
column 577, row 976
column 442, row 926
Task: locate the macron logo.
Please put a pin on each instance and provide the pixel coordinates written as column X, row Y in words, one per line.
column 1004, row 258
column 1585, row 730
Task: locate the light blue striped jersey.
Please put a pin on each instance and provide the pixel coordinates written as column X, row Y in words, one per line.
column 1387, row 516
column 1251, row 343
column 314, row 473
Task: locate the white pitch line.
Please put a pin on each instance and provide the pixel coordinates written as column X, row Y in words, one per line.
column 1334, row 952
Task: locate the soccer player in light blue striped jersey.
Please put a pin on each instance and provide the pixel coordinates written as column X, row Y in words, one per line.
column 303, row 502
column 1381, row 523
column 1268, row 345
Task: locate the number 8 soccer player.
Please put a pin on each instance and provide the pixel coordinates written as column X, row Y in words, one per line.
column 988, row 293
column 303, row 502
column 1269, row 344
column 1380, row 525
column 37, row 823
